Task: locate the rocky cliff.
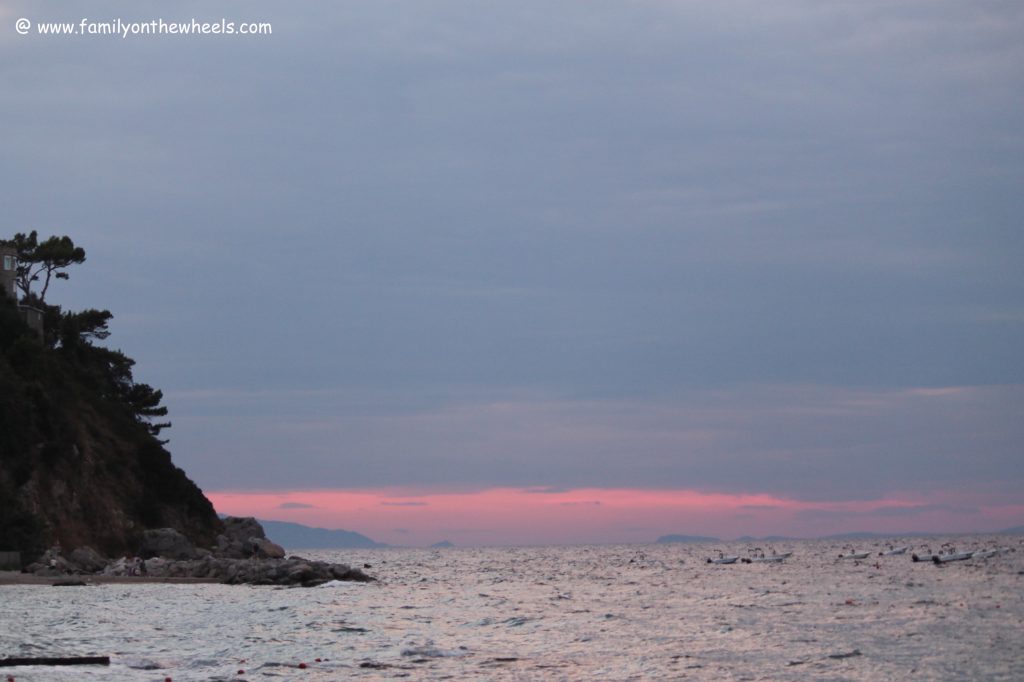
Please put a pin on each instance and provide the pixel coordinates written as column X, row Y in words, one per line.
column 77, row 467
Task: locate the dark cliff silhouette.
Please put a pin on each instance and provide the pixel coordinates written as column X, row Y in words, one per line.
column 80, row 461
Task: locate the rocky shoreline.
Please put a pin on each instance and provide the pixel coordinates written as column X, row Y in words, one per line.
column 243, row 555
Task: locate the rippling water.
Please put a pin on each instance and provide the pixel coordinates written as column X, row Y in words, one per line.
column 604, row 612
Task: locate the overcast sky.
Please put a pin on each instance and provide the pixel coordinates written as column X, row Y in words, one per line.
column 741, row 248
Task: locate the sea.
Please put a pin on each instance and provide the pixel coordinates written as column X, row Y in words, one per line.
column 618, row 612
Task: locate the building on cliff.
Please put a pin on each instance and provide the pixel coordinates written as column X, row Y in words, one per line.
column 9, row 283
column 9, row 270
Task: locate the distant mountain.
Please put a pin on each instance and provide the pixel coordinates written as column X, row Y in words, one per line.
column 444, row 544
column 297, row 536
column 664, row 539
column 867, row 535
column 767, row 538
column 1016, row 530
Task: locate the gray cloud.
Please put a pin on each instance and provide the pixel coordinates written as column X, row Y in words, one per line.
column 804, row 442
column 684, row 244
column 296, row 505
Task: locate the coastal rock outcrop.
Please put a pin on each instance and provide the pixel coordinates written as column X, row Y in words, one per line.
column 293, row 571
column 243, row 555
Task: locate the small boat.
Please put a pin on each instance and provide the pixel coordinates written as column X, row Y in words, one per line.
column 952, row 556
column 855, row 555
column 723, row 559
column 894, row 551
column 984, row 553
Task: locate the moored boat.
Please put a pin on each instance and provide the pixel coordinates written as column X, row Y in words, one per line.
column 894, row 551
column 855, row 555
column 952, row 556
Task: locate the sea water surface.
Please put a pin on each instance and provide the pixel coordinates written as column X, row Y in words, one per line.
column 637, row 612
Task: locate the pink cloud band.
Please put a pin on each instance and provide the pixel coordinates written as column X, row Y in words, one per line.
column 512, row 516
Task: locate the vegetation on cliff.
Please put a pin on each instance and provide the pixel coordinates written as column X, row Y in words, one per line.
column 80, row 461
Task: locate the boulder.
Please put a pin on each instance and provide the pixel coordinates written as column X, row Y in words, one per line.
column 244, row 538
column 88, row 560
column 265, row 549
column 167, row 543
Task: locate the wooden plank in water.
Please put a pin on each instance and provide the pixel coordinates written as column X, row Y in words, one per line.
column 62, row 660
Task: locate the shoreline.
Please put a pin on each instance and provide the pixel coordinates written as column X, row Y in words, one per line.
column 19, row 578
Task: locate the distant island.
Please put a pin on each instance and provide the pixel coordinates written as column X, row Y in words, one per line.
column 298, row 536
column 444, row 544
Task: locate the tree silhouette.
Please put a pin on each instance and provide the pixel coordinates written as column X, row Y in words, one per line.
column 46, row 260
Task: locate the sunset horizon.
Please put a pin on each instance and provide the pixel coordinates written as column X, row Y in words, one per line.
column 544, row 516
column 695, row 327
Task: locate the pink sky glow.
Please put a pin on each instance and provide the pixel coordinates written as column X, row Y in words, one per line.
column 513, row 516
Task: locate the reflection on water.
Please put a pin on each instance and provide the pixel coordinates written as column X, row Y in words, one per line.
column 609, row 612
